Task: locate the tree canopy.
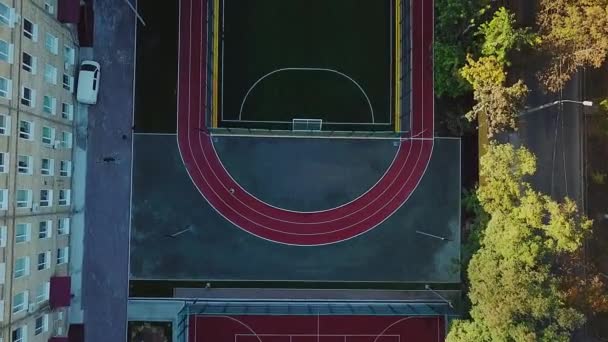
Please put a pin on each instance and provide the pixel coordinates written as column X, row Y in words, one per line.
column 575, row 33
column 518, row 290
column 499, row 103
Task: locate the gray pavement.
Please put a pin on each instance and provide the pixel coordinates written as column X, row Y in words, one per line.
column 106, row 238
column 165, row 201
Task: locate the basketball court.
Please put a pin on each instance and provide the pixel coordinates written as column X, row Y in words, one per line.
column 315, row 328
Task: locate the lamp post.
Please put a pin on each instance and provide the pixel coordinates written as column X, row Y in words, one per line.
column 555, row 103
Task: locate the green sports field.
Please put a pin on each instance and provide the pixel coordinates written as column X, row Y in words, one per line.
column 313, row 59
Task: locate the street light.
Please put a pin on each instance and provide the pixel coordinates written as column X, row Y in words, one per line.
column 555, row 103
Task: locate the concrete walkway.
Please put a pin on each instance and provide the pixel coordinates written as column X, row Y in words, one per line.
column 108, row 186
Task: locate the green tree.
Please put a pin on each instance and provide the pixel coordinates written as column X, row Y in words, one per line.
column 517, row 290
column 455, row 24
column 575, row 34
column 501, row 37
column 448, row 59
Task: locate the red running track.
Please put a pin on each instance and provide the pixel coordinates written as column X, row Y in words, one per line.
column 259, row 218
column 315, row 329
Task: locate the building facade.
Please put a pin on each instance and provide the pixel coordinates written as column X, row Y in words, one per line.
column 37, row 106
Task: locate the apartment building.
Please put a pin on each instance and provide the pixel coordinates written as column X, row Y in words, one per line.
column 37, row 106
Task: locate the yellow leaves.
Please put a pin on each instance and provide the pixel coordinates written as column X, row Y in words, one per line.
column 484, row 72
column 575, row 34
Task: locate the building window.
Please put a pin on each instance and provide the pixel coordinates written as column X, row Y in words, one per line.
column 26, row 130
column 48, row 135
column 51, row 43
column 19, row 334
column 6, row 15
column 49, row 8
column 24, row 164
column 24, row 198
column 62, row 255
column 30, row 30
column 67, row 111
column 65, row 196
column 63, row 226
column 47, row 167
column 50, row 74
column 3, row 232
column 41, row 324
column 65, row 168
column 22, row 232
column 5, row 124
column 66, row 139
column 68, row 82
column 5, row 88
column 69, row 55
column 42, row 292
column 4, row 162
column 6, row 51
column 49, row 105
column 44, row 261
column 46, row 197
column 3, row 199
column 22, row 267
column 45, row 229
column 19, row 303
column 28, row 97
column 28, row 62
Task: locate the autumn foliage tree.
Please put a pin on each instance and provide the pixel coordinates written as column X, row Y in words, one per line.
column 575, row 34
column 520, row 287
column 495, row 100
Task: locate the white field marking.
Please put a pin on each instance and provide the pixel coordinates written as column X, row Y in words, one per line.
column 133, row 144
column 287, row 136
column 223, row 49
column 266, row 227
column 392, row 325
column 324, row 122
column 371, row 109
column 346, row 336
column 241, row 323
column 161, row 134
column 391, row 55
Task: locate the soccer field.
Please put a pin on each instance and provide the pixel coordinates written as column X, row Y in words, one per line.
column 310, row 59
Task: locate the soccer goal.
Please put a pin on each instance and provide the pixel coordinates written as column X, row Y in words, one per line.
column 303, row 125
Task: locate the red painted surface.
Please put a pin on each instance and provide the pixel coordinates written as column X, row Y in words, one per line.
column 315, row 329
column 279, row 225
column 68, row 11
column 60, row 292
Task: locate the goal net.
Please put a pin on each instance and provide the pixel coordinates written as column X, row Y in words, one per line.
column 300, row 125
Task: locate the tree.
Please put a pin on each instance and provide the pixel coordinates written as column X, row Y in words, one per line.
column 501, row 37
column 575, row 34
column 455, row 23
column 517, row 291
column 499, row 103
column 448, row 59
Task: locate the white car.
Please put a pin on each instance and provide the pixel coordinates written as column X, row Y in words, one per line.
column 88, row 82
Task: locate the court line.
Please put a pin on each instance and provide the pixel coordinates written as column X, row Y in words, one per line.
column 391, row 325
column 354, row 137
column 324, row 122
column 307, row 69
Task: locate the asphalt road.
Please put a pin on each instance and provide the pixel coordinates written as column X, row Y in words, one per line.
column 553, row 134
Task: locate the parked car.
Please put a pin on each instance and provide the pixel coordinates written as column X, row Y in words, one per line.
column 88, row 82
